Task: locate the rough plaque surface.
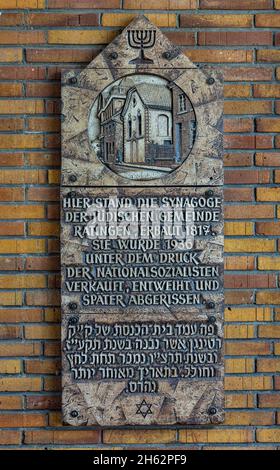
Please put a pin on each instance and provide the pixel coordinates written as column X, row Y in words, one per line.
column 142, row 237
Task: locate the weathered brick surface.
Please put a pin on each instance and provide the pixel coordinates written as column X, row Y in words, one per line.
column 40, row 38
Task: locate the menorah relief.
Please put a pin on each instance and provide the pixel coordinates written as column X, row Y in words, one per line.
column 141, row 39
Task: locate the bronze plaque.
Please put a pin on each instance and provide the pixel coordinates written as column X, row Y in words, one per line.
column 142, row 236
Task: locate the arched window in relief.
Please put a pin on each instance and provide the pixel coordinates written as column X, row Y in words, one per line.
column 163, row 125
column 129, row 127
column 182, row 103
column 139, row 123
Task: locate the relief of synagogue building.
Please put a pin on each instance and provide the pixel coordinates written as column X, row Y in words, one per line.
column 149, row 123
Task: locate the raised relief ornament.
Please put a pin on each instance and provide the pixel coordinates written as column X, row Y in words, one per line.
column 142, row 236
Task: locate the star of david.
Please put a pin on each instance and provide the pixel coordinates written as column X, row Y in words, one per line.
column 144, row 408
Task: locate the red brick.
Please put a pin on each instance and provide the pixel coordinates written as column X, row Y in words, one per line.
column 11, row 263
column 269, row 400
column 27, row 420
column 268, row 125
column 53, row 212
column 239, row 297
column 43, row 402
column 267, row 159
column 268, row 365
column 22, row 37
column 11, row 19
column 22, row 73
column 43, row 159
column 233, row 263
column 267, row 91
column 50, row 297
column 11, row 228
column 238, row 194
column 10, row 332
column 277, row 107
column 43, row 194
column 11, row 124
column 62, row 437
column 11, row 159
column 247, row 281
column 268, row 228
column 11, row 194
column 236, row 4
column 10, row 89
column 84, row 4
column 247, row 348
column 181, row 38
column 52, row 349
column 61, row 55
column 42, row 366
column 251, row 74
column 235, row 38
column 268, row 55
column 248, row 107
column 10, row 437
column 17, row 315
column 239, row 125
column 50, row 263
column 247, row 142
column 62, row 19
column 219, row 55
column 43, row 89
column 237, row 91
column 160, row 4
column 256, row 211
column 247, row 176
column 268, row 20
column 237, row 159
column 19, row 349
column 215, row 21
column 45, row 124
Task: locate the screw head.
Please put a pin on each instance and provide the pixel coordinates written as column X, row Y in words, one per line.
column 210, row 81
column 72, row 178
column 73, row 306
column 210, row 305
column 73, row 320
column 113, row 55
column 73, row 80
column 74, row 414
column 212, row 410
column 209, row 193
column 167, row 55
column 71, row 194
column 212, row 319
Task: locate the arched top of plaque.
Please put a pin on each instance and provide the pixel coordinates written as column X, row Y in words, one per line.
column 141, row 113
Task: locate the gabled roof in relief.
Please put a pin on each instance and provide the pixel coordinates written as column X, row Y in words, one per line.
column 154, row 95
column 124, row 49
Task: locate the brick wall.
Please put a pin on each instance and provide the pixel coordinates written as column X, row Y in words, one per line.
column 37, row 38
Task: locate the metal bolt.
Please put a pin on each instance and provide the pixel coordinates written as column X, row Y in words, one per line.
column 72, row 178
column 212, row 410
column 73, row 80
column 73, row 306
column 209, row 193
column 73, row 320
column 167, row 55
column 113, row 55
column 210, row 305
column 71, row 194
column 210, row 81
column 212, row 319
column 74, row 414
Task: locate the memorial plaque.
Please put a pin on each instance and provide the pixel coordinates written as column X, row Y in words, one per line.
column 142, row 236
